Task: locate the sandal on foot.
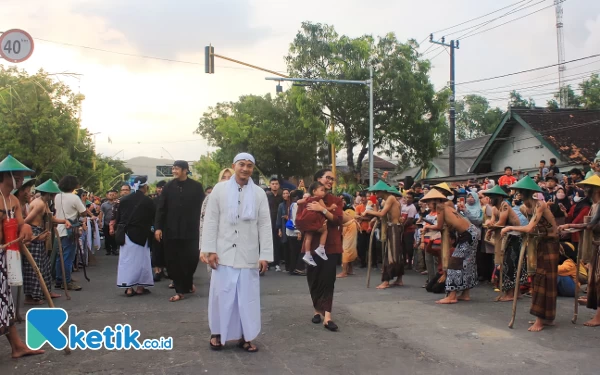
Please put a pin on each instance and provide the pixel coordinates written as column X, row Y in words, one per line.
column 177, row 297
column 219, row 346
column 316, row 319
column 133, row 293
column 145, row 291
column 172, row 286
column 330, row 325
column 247, row 346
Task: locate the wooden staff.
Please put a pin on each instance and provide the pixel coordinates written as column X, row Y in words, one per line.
column 62, row 264
column 31, row 261
column 518, row 279
column 445, row 247
column 370, row 256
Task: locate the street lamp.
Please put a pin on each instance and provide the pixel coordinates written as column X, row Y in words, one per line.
column 368, row 82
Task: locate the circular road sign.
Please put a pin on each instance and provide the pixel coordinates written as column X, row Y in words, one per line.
column 16, row 45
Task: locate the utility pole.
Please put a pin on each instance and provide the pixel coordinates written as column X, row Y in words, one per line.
column 333, row 162
column 452, row 139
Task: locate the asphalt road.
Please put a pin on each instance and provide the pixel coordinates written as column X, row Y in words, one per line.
column 394, row 331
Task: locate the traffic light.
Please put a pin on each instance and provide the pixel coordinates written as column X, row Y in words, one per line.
column 209, row 59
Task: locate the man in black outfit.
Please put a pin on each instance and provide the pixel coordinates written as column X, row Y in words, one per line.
column 158, row 251
column 178, row 225
column 275, row 197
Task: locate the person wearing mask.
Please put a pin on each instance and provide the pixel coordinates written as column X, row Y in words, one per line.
column 580, row 209
column 560, row 206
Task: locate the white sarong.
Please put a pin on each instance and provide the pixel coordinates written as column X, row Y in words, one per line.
column 135, row 267
column 234, row 303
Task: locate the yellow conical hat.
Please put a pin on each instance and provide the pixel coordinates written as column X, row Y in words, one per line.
column 433, row 194
column 444, row 186
column 593, row 181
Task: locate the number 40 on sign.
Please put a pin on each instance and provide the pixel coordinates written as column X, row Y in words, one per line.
column 16, row 45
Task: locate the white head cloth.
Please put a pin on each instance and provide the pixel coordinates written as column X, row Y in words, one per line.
column 138, row 185
column 233, row 194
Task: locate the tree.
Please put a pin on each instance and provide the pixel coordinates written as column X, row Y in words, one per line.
column 516, row 100
column 39, row 124
column 208, row 170
column 475, row 118
column 281, row 132
column 590, row 92
column 409, row 114
column 573, row 100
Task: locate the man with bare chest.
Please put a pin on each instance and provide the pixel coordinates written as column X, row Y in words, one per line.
column 503, row 215
column 393, row 259
column 12, row 173
column 542, row 227
column 40, row 219
column 461, row 272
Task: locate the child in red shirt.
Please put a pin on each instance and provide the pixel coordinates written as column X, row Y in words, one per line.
column 316, row 222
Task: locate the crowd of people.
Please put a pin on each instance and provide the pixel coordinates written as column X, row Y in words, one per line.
column 455, row 236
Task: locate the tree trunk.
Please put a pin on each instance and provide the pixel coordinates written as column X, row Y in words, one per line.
column 361, row 156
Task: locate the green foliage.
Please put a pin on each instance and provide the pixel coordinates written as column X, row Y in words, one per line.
column 409, row 114
column 590, row 92
column 281, row 132
column 207, row 170
column 475, row 117
column 516, row 100
column 39, row 124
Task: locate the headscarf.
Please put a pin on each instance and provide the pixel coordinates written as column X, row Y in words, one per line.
column 474, row 212
column 231, row 171
column 233, row 194
column 583, row 203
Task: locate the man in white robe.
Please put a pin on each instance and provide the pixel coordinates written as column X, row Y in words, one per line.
column 237, row 236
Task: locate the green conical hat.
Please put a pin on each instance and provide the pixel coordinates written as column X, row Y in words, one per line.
column 380, row 186
column 87, row 202
column 27, row 181
column 49, row 187
column 392, row 190
column 526, row 183
column 496, row 190
column 10, row 164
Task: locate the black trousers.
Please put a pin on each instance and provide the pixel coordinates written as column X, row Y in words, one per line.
column 321, row 282
column 158, row 254
column 109, row 241
column 276, row 248
column 182, row 257
column 363, row 249
column 295, row 255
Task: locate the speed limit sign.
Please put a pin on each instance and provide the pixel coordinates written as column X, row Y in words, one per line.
column 16, row 45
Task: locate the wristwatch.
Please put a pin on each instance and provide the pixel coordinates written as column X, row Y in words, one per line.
column 324, row 211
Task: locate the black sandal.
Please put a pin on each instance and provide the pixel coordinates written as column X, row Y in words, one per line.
column 133, row 292
column 330, row 325
column 247, row 346
column 219, row 346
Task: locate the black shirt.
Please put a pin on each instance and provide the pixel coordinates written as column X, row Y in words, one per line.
column 137, row 212
column 178, row 211
column 274, row 202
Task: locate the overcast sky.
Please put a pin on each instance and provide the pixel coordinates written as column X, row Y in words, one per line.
column 151, row 108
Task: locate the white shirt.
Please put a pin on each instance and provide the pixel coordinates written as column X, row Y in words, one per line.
column 241, row 245
column 68, row 206
column 293, row 211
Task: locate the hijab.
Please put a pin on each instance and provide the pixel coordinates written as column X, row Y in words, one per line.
column 474, row 212
column 583, row 203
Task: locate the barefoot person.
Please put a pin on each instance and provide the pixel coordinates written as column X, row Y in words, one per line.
column 542, row 226
column 237, row 236
column 11, row 177
column 592, row 184
column 393, row 260
column 461, row 275
column 321, row 279
column 38, row 218
column 502, row 215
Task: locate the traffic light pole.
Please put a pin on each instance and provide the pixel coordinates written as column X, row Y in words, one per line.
column 209, row 58
column 452, row 138
column 368, row 82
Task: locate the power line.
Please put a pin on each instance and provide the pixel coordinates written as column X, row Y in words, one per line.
column 135, row 55
column 476, row 18
column 515, row 19
column 480, row 25
column 528, row 70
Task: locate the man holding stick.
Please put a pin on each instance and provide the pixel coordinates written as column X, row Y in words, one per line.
column 542, row 226
column 12, row 173
column 39, row 215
